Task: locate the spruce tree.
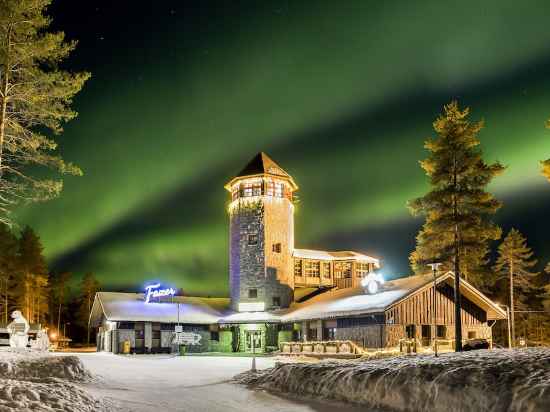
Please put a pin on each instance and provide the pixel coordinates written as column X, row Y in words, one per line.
column 457, row 230
column 35, row 97
column 32, row 280
column 8, row 270
column 88, row 288
column 514, row 262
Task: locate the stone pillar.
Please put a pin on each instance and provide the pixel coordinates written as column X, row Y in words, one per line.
column 304, row 325
column 319, row 330
column 148, row 332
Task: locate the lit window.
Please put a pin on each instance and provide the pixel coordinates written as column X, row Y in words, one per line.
column 362, row 269
column 297, row 267
column 252, row 293
column 277, row 247
column 247, row 189
column 312, row 268
column 253, row 239
column 326, row 270
column 257, row 189
column 278, row 190
column 342, row 270
column 269, row 188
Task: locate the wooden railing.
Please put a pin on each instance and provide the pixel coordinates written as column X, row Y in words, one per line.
column 340, row 347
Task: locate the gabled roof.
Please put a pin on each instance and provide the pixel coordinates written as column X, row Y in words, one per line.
column 327, row 255
column 131, row 307
column 263, row 165
column 354, row 301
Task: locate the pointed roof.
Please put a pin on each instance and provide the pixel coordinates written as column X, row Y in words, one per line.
column 263, row 165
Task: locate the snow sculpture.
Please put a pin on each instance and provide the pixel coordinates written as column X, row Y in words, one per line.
column 42, row 342
column 18, row 330
column 371, row 283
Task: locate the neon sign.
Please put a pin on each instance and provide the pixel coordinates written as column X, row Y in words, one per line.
column 153, row 291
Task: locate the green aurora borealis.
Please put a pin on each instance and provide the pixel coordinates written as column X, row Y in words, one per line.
column 340, row 94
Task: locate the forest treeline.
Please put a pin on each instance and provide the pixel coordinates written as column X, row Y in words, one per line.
column 48, row 298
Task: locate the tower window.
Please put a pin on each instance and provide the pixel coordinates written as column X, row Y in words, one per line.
column 297, row 267
column 253, row 239
column 257, row 189
column 276, row 301
column 326, row 270
column 277, row 247
column 247, row 189
column 278, row 190
column 252, row 293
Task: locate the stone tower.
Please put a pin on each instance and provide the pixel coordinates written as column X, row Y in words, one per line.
column 261, row 230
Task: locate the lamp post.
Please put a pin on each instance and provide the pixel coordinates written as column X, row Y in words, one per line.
column 435, row 267
column 509, row 327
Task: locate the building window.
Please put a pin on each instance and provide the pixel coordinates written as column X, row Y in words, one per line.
column 342, row 269
column 252, row 239
column 278, row 190
column 312, row 334
column 247, row 189
column 277, row 247
column 257, row 189
column 330, row 333
column 441, row 331
column 252, row 293
column 297, row 267
column 410, row 330
column 276, row 301
column 362, row 269
column 426, row 331
column 312, row 268
column 326, row 270
column 472, row 334
column 215, row 335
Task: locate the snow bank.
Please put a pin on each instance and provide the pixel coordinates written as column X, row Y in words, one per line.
column 33, row 381
column 494, row 380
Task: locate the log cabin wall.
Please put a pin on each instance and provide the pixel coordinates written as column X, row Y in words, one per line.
column 417, row 310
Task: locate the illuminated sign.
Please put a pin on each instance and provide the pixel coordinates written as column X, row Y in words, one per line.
column 251, row 307
column 187, row 338
column 154, row 291
column 372, row 282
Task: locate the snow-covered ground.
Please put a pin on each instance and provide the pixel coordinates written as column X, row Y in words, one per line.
column 497, row 380
column 165, row 383
column 32, row 381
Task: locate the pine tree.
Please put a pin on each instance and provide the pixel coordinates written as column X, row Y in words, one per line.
column 515, row 259
column 457, row 230
column 59, row 297
column 546, row 163
column 88, row 288
column 32, row 279
column 35, row 96
column 8, row 270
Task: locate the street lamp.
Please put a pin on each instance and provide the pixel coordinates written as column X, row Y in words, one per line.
column 509, row 327
column 435, row 266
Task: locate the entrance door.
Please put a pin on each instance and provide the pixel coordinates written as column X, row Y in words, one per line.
column 253, row 340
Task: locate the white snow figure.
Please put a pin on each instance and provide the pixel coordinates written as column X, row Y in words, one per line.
column 42, row 342
column 18, row 330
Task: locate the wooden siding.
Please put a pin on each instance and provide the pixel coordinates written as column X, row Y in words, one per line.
column 417, row 309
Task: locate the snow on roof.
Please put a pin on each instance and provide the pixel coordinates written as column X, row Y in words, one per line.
column 354, row 301
column 252, row 317
column 132, row 307
column 327, row 255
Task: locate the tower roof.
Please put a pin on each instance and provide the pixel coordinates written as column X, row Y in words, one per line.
column 263, row 165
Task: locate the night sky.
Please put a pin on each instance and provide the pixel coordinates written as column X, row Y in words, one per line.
column 340, row 94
